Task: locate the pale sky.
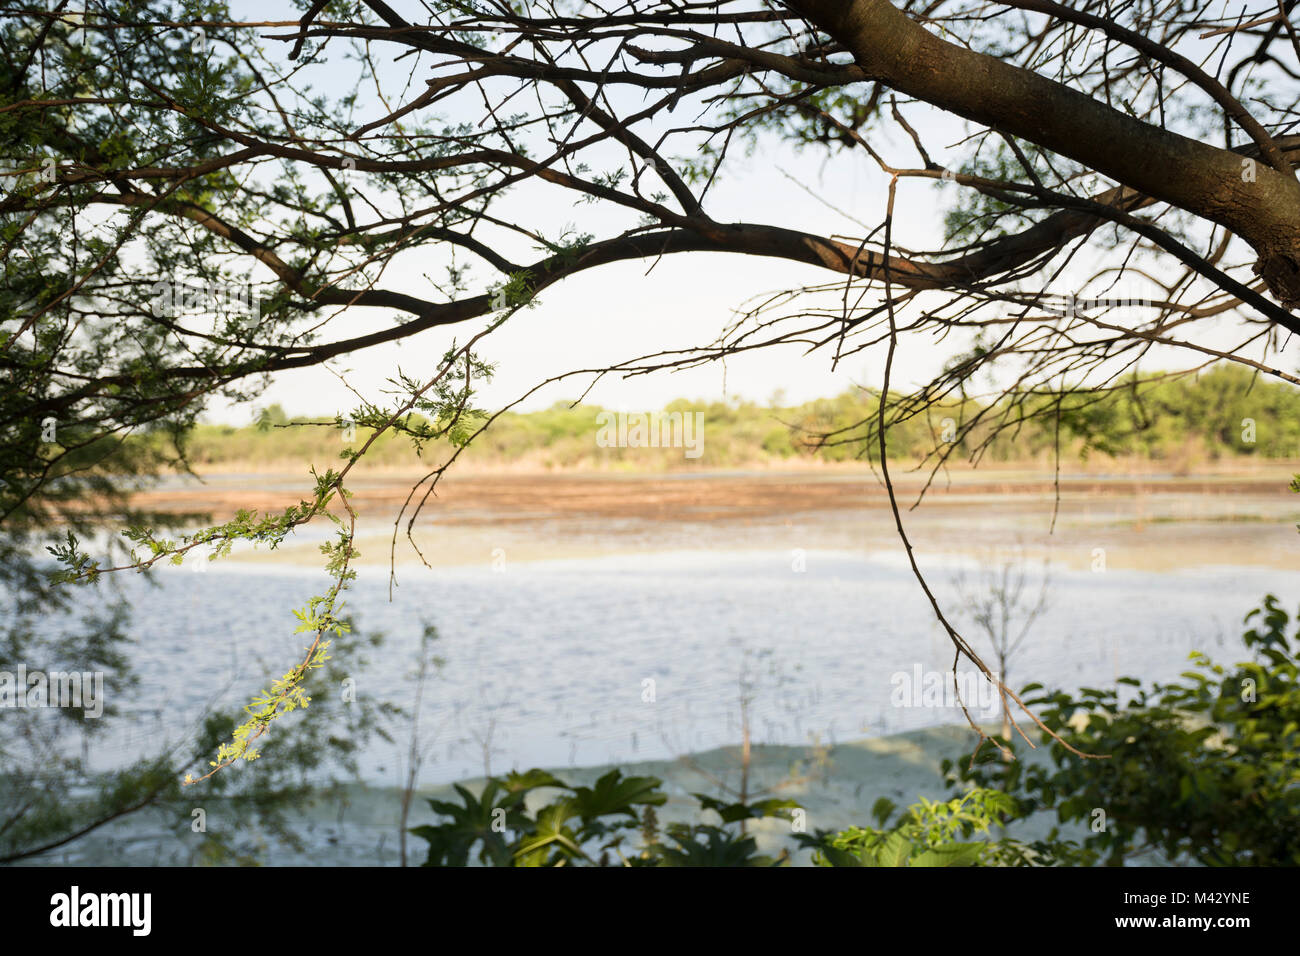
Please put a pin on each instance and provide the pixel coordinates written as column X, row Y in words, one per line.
column 617, row 312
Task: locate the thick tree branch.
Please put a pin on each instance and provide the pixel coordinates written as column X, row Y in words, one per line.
column 1262, row 207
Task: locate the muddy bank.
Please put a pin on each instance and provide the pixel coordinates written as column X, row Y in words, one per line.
column 1137, row 522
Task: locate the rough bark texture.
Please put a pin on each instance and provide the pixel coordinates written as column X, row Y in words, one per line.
column 1257, row 203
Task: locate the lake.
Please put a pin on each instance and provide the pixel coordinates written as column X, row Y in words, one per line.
column 633, row 657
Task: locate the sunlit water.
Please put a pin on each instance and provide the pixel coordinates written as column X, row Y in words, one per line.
column 581, row 662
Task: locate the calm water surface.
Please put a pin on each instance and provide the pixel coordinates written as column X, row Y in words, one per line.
column 589, row 661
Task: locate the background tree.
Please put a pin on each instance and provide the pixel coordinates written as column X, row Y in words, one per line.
column 1003, row 602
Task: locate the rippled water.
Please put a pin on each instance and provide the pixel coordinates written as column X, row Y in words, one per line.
column 550, row 663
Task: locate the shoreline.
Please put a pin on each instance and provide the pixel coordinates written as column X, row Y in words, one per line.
column 358, row 826
column 1141, row 523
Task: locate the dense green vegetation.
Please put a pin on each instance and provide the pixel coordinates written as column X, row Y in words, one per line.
column 1181, row 422
column 1203, row 769
column 595, row 825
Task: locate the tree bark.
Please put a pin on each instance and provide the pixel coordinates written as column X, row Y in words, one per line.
column 1254, row 201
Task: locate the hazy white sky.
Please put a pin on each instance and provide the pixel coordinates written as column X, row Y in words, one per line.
column 618, row 312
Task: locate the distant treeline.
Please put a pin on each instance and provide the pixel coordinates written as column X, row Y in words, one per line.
column 1223, row 413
